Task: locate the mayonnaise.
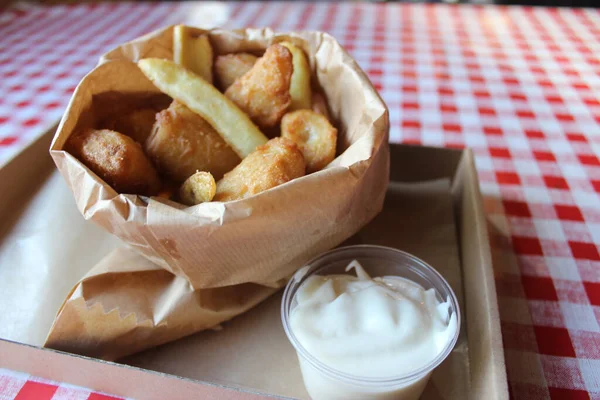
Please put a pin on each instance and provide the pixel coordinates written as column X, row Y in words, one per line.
column 367, row 327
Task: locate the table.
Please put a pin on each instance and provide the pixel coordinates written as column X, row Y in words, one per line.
column 518, row 85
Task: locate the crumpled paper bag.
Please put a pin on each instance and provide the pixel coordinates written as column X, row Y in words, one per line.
column 236, row 253
column 126, row 304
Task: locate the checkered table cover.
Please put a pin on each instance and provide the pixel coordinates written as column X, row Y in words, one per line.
column 520, row 86
column 20, row 386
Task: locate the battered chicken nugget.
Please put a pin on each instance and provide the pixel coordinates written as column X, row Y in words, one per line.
column 198, row 188
column 230, row 67
column 275, row 163
column 313, row 134
column 182, row 142
column 117, row 159
column 264, row 91
column 136, row 124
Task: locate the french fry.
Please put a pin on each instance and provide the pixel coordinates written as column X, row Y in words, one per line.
column 229, row 121
column 300, row 86
column 198, row 188
column 193, row 51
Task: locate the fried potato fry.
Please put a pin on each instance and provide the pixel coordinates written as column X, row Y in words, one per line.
column 273, row 164
column 198, row 188
column 300, row 85
column 193, row 51
column 182, row 142
column 230, row 67
column 117, row 159
column 136, row 124
column 313, row 134
column 319, row 105
column 264, row 91
column 234, row 126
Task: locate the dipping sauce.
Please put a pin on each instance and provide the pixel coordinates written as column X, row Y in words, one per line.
column 381, row 327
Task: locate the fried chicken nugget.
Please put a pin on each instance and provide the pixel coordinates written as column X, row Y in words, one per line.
column 270, row 165
column 313, row 134
column 182, row 142
column 264, row 91
column 230, row 67
column 136, row 124
column 198, row 188
column 117, row 159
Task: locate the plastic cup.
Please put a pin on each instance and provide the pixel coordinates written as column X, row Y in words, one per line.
column 325, row 383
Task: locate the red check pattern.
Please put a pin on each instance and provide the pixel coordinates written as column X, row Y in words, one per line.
column 520, row 86
column 19, row 386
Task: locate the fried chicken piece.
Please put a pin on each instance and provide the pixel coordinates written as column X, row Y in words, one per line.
column 270, row 165
column 117, row 159
column 182, row 142
column 136, row 124
column 264, row 91
column 313, row 134
column 198, row 188
column 230, row 67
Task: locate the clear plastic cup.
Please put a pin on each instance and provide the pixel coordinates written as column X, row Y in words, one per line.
column 325, row 383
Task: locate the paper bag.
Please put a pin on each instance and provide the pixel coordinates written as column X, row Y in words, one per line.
column 248, row 245
column 126, row 304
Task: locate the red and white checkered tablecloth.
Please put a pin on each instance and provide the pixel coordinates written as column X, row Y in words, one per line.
column 20, row 386
column 520, row 86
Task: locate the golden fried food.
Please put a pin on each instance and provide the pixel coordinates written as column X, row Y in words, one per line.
column 234, row 126
column 182, row 142
column 275, row 163
column 117, row 159
column 136, row 124
column 230, row 67
column 198, row 188
column 167, row 191
column 319, row 105
column 313, row 134
column 300, row 85
column 264, row 91
column 193, row 51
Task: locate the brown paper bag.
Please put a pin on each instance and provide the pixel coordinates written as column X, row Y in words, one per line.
column 126, row 304
column 246, row 247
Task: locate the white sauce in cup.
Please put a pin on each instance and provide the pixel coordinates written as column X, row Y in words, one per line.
column 367, row 327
